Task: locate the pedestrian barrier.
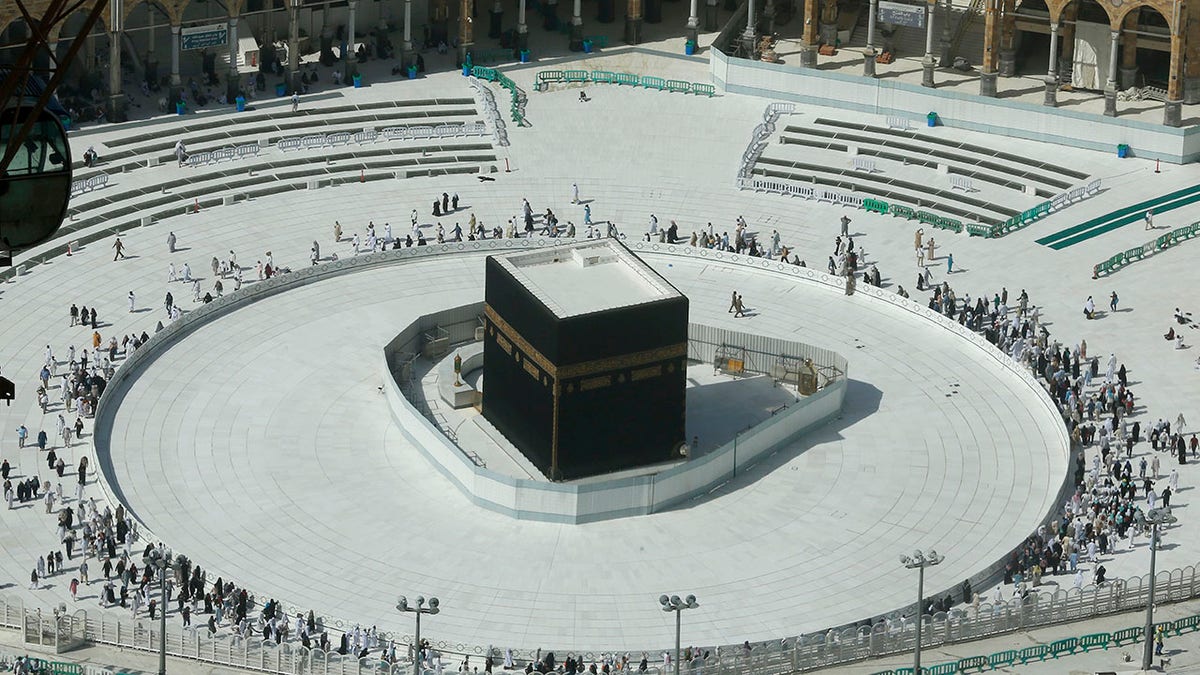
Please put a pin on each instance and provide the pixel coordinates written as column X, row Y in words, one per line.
column 875, row 206
column 1002, row 659
column 898, row 123
column 88, row 184
column 545, row 78
column 1043, row 209
column 1088, row 642
column 650, row 82
column 1190, row 623
column 1028, row 654
column 517, row 107
column 1064, row 646
column 971, row 663
column 963, row 183
column 222, row 154
column 1159, row 244
column 864, row 164
column 489, row 107
column 902, row 211
column 679, row 86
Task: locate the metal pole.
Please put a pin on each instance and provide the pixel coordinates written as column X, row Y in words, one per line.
column 678, row 614
column 1148, row 651
column 920, row 595
column 162, row 622
column 417, row 646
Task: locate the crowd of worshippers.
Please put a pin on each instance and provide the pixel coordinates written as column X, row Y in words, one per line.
column 1105, row 507
column 606, row 663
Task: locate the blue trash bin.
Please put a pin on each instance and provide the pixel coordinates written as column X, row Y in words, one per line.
column 180, row 107
column 1122, row 151
column 524, row 56
column 689, row 48
column 931, row 119
column 587, row 46
column 240, row 102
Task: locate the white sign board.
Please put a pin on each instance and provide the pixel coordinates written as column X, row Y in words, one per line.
column 901, row 14
column 200, row 37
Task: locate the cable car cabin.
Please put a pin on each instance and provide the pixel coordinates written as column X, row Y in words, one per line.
column 35, row 185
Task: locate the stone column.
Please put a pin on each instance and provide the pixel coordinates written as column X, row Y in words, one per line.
column 1190, row 53
column 1008, row 34
column 116, row 98
column 1129, row 43
column 750, row 35
column 495, row 19
column 1173, row 109
column 991, row 29
column 1051, row 98
column 466, row 29
column 151, row 57
column 1110, row 86
column 808, row 37
column 633, row 21
column 293, row 45
column 711, row 15
column 928, row 63
column 693, row 22
column 576, row 27
column 408, row 56
column 1066, row 59
column 350, row 57
column 522, row 28
column 232, row 81
column 175, row 79
column 944, row 56
column 869, row 53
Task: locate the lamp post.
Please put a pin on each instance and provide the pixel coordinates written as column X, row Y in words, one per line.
column 674, row 604
column 1155, row 518
column 161, row 560
column 920, row 561
column 422, row 607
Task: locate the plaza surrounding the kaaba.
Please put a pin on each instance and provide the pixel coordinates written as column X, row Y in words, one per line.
column 258, row 434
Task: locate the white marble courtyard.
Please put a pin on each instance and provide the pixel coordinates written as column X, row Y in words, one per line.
column 261, row 447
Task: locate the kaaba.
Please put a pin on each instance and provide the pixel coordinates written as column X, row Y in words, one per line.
column 584, row 358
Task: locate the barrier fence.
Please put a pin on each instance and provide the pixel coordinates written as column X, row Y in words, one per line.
column 832, row 196
column 804, row 652
column 517, row 109
column 367, row 136
column 88, row 184
column 222, row 154
column 547, row 77
column 1152, row 247
column 488, row 103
